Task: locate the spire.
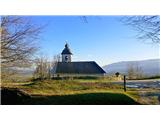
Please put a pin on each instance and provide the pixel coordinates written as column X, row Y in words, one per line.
column 66, row 50
column 66, row 45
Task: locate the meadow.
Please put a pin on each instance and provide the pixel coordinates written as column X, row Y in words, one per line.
column 73, row 91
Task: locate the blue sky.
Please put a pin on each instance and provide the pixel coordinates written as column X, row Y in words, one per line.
column 103, row 39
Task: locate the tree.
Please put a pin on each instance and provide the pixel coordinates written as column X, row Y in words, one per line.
column 134, row 71
column 56, row 58
column 138, row 71
column 45, row 68
column 117, row 74
column 18, row 41
column 131, row 71
column 148, row 27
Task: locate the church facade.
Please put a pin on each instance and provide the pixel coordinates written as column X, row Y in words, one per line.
column 67, row 67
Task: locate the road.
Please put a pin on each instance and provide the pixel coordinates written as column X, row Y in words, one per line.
column 154, row 83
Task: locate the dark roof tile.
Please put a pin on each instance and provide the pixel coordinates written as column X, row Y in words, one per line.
column 87, row 67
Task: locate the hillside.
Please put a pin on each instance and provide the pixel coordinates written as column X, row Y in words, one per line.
column 66, row 92
column 149, row 67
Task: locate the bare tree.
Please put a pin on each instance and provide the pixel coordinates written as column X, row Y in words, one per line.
column 18, row 41
column 148, row 27
column 43, row 67
column 134, row 71
column 131, row 71
column 56, row 58
column 138, row 71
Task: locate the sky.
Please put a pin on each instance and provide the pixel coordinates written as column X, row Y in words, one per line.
column 104, row 39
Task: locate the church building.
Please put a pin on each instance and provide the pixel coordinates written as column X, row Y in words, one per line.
column 67, row 67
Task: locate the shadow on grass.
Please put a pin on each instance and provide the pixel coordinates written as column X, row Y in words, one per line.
column 15, row 97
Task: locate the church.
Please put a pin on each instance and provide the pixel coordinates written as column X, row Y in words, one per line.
column 67, row 67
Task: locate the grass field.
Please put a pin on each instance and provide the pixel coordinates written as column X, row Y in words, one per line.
column 73, row 92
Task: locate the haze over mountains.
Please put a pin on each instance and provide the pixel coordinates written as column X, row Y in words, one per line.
column 149, row 67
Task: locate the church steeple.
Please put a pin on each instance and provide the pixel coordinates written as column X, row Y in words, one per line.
column 66, row 54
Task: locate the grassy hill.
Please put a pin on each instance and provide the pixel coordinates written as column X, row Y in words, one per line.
column 70, row 99
column 65, row 92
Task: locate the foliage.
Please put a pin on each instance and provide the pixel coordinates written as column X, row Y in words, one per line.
column 117, row 74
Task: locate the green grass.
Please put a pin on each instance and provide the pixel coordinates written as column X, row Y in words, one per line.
column 157, row 77
column 83, row 99
column 63, row 87
column 153, row 77
column 16, row 97
column 77, row 91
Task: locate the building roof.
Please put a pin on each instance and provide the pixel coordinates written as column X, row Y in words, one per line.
column 66, row 50
column 87, row 67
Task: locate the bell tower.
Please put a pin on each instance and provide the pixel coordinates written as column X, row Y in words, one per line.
column 66, row 54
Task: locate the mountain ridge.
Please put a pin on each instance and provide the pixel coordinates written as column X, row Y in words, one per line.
column 149, row 67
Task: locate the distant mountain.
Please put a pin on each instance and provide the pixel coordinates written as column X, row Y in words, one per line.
column 149, row 67
column 24, row 71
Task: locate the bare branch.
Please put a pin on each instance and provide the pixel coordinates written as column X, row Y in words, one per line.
column 148, row 27
column 18, row 41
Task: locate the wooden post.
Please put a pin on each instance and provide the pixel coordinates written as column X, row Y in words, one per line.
column 124, row 83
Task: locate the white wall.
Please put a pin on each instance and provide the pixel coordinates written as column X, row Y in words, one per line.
column 64, row 58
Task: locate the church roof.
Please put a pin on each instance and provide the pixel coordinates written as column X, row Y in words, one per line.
column 66, row 50
column 87, row 67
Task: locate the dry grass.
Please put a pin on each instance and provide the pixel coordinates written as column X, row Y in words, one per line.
column 81, row 86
